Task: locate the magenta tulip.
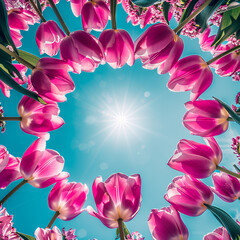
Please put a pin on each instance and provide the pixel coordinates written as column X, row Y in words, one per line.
column 190, row 73
column 118, row 47
column 166, row 224
column 196, row 159
column 119, row 197
column 42, row 167
column 218, row 234
column 48, row 234
column 159, row 47
column 48, row 37
column 205, row 41
column 205, row 118
column 95, row 15
column 82, row 51
column 4, row 157
column 51, row 79
column 38, row 119
column 76, row 6
column 188, row 195
column 67, row 198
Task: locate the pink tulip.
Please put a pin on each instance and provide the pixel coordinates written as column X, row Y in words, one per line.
column 159, row 47
column 76, row 6
column 166, row 224
column 95, row 15
column 118, row 47
column 42, row 167
column 119, row 197
column 205, row 41
column 48, row 234
column 226, row 187
column 51, row 79
column 11, row 172
column 190, row 73
column 69, row 235
column 82, row 51
column 218, row 234
column 16, row 37
column 205, row 118
column 4, row 157
column 196, row 159
column 48, row 37
column 67, row 198
column 188, row 195
column 38, row 119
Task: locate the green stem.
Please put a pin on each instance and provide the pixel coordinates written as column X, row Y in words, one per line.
column 230, row 119
column 113, row 8
column 37, row 10
column 10, row 118
column 228, row 172
column 13, row 191
column 60, row 19
column 223, row 54
column 193, row 15
column 53, row 219
column 18, row 58
column 236, row 167
column 120, row 228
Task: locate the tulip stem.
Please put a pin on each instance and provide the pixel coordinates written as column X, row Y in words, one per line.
column 113, row 8
column 53, row 219
column 18, row 58
column 120, row 228
column 13, row 191
column 236, row 167
column 223, row 54
column 228, row 172
column 193, row 15
column 10, row 118
column 37, row 10
column 60, row 19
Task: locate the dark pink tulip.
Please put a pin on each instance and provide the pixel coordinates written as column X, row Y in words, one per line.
column 11, row 172
column 48, row 234
column 218, row 234
column 188, row 195
column 205, row 41
column 166, row 224
column 76, row 6
column 118, row 47
column 82, row 51
column 48, row 37
column 51, row 79
column 190, row 73
column 4, row 157
column 67, row 198
column 42, row 167
column 38, row 119
column 119, row 197
column 159, row 47
column 95, row 15
column 196, row 159
column 226, row 187
column 205, row 118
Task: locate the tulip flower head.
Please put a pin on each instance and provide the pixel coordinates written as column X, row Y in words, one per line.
column 48, row 234
column 76, row 6
column 119, row 197
column 4, row 157
column 218, row 234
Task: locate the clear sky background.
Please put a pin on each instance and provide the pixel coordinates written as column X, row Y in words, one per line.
column 92, row 145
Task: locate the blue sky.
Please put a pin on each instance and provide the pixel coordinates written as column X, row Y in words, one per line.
column 92, row 146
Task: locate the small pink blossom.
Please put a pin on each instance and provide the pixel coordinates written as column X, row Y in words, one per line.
column 236, row 146
column 218, row 234
column 69, row 235
column 135, row 236
column 48, row 234
column 2, row 123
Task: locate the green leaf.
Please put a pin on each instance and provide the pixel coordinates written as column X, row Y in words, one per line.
column 29, row 57
column 234, row 116
column 39, row 6
column 126, row 232
column 145, row 3
column 166, row 8
column 226, row 220
column 25, row 236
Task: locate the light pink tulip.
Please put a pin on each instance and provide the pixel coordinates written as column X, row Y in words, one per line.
column 95, row 15
column 82, row 51
column 67, row 198
column 48, row 234
column 119, row 197
column 51, row 79
column 166, row 224
column 4, row 157
column 48, row 37
column 206, row 118
column 42, row 167
column 16, row 37
column 218, row 234
column 38, row 119
column 76, row 6
column 205, row 41
column 118, row 47
column 226, row 187
column 190, row 73
column 196, row 159
column 188, row 195
column 11, row 172
column 159, row 47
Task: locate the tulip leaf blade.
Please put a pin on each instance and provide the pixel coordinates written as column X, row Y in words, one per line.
column 25, row 236
column 145, row 3
column 226, row 220
column 29, row 57
column 166, row 8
